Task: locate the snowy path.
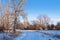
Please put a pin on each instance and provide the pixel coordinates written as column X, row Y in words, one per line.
column 36, row 35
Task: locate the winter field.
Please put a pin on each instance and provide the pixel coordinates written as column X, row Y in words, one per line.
column 33, row 35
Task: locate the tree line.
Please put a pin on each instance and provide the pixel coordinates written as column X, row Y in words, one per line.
column 41, row 23
column 10, row 18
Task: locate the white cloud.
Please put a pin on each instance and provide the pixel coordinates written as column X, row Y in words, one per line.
column 55, row 20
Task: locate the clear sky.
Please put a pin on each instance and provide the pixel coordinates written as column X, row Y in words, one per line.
column 49, row 7
column 36, row 7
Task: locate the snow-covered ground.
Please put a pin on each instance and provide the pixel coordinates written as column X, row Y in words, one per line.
column 34, row 35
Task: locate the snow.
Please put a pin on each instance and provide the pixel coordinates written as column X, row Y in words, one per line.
column 35, row 35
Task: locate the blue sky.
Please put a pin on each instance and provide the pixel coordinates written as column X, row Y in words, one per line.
column 49, row 7
column 37, row 7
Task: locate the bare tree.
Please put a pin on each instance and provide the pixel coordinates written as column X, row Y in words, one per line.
column 1, row 28
column 17, row 9
column 44, row 20
column 24, row 16
column 36, row 25
column 10, row 13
